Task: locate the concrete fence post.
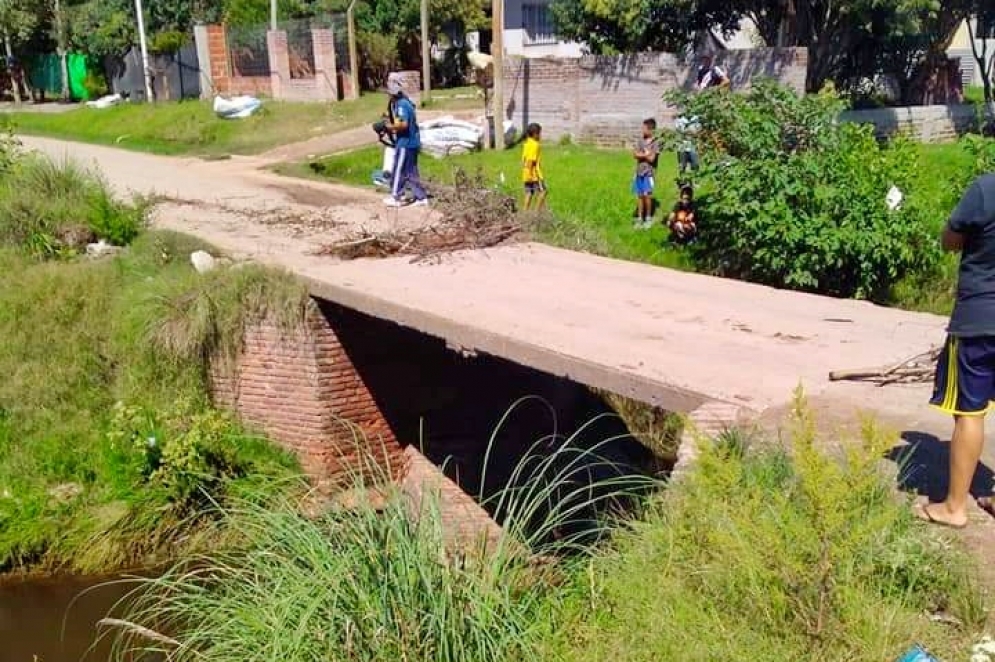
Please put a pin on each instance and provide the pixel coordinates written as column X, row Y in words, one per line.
column 279, row 61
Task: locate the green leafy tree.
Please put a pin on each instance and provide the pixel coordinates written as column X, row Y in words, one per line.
column 983, row 12
column 791, row 197
column 618, row 26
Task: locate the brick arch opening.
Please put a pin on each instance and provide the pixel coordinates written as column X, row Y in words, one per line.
column 456, row 407
column 422, row 410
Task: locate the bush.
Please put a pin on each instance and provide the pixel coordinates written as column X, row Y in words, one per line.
column 791, row 197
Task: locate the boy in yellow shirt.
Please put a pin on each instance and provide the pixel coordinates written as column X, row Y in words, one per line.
column 535, row 185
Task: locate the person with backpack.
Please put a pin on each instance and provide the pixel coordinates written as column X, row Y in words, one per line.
column 709, row 74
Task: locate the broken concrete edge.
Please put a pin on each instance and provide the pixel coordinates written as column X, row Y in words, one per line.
column 457, row 336
column 704, row 424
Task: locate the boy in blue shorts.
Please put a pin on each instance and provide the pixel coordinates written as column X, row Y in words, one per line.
column 964, row 386
column 647, row 153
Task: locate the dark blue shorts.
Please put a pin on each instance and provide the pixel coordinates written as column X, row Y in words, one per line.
column 643, row 185
column 965, row 376
column 538, row 186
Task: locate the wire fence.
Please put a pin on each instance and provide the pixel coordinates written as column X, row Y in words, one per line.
column 300, row 48
column 248, row 51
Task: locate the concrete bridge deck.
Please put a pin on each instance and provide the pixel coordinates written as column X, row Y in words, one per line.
column 661, row 336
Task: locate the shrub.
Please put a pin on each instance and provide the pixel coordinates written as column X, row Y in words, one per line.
column 770, row 552
column 791, row 197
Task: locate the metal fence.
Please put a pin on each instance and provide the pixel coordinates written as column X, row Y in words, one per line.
column 247, row 51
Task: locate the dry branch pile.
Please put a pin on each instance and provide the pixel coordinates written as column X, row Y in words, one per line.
column 470, row 216
column 915, row 369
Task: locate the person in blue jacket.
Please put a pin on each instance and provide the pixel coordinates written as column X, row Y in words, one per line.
column 403, row 124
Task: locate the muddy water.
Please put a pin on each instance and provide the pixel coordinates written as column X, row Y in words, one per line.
column 54, row 619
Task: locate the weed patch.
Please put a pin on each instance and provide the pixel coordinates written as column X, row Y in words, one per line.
column 80, row 485
column 53, row 209
column 774, row 553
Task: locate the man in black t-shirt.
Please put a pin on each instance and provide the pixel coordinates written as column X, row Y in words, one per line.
column 965, row 373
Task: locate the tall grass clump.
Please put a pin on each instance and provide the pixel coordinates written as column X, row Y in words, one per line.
column 350, row 585
column 774, row 553
column 53, row 209
column 397, row 583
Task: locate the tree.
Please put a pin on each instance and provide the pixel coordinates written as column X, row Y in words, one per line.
column 983, row 13
column 622, row 26
column 19, row 19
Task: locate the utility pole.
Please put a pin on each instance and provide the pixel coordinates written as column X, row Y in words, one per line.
column 272, row 16
column 426, row 55
column 353, row 55
column 61, row 38
column 497, row 52
column 145, row 50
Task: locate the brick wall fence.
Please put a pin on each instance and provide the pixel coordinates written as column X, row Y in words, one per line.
column 928, row 124
column 603, row 99
column 324, row 85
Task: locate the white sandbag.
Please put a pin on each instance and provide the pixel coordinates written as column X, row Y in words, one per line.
column 236, row 107
column 389, row 154
column 105, row 101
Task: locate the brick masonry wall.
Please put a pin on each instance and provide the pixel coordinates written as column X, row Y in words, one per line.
column 928, row 124
column 306, row 395
column 465, row 523
column 603, row 99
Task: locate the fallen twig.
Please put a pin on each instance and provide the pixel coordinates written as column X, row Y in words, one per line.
column 471, row 216
column 917, row 368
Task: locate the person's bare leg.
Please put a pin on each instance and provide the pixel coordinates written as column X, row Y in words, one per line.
column 540, row 200
column 527, row 202
column 965, row 453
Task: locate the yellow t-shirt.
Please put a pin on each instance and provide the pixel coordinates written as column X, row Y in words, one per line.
column 531, row 155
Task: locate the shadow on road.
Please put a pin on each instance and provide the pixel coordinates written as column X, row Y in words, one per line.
column 923, row 463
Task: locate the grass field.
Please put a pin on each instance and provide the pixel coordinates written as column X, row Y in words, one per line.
column 79, row 484
column 191, row 127
column 589, row 192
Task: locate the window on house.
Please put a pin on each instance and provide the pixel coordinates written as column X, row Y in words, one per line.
column 537, row 21
column 986, row 26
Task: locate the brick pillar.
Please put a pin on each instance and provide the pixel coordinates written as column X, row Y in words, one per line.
column 703, row 424
column 219, row 67
column 324, row 63
column 305, row 394
column 465, row 524
column 279, row 60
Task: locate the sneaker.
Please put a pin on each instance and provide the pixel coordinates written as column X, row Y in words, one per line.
column 420, row 203
column 393, row 202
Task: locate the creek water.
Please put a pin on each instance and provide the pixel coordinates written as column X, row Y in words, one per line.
column 54, row 618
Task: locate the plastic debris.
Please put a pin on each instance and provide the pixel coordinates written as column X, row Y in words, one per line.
column 202, row 261
column 236, row 107
column 105, row 101
column 894, row 198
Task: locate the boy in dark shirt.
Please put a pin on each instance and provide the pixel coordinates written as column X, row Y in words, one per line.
column 682, row 222
column 965, row 373
column 647, row 154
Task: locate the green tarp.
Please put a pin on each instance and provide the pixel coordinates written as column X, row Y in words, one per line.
column 45, row 74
